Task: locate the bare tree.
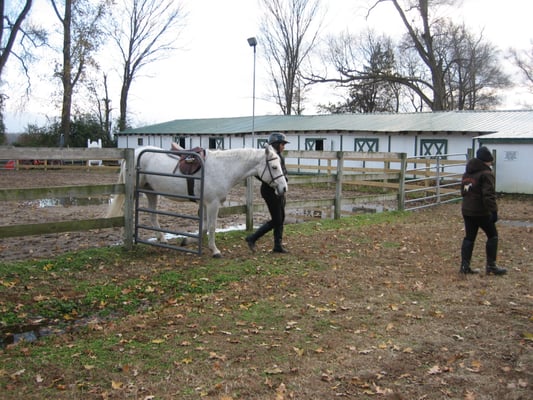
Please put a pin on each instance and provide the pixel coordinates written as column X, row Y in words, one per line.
column 524, row 61
column 415, row 16
column 439, row 64
column 289, row 30
column 11, row 27
column 82, row 34
column 371, row 58
column 472, row 69
column 146, row 32
column 100, row 99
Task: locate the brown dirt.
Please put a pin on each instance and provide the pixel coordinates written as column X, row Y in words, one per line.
column 380, row 313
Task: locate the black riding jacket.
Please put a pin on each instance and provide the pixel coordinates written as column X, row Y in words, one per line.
column 478, row 188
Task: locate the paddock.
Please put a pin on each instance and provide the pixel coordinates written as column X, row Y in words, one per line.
column 38, row 207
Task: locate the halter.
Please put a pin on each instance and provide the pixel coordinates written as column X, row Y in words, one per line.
column 272, row 178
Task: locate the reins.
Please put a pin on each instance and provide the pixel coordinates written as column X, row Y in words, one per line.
column 273, row 179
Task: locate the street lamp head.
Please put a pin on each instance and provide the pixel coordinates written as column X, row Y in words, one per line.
column 252, row 41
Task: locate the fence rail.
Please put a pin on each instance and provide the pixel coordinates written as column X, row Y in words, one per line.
column 80, row 154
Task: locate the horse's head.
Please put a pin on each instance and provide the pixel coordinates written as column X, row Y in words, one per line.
column 273, row 172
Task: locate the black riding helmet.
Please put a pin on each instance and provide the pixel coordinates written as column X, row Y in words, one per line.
column 277, row 138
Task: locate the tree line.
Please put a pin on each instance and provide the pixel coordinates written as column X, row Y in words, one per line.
column 437, row 64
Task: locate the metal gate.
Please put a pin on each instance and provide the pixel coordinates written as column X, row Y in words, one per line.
column 174, row 216
column 433, row 180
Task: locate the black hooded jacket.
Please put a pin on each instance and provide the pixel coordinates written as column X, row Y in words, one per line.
column 478, row 188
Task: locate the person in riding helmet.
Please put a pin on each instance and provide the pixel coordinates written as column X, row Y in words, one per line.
column 275, row 203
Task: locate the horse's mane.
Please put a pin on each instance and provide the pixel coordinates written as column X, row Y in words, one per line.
column 231, row 153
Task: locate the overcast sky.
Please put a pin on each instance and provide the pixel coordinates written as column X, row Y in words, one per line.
column 212, row 74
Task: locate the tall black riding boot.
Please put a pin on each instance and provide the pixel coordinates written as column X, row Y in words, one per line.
column 466, row 255
column 278, row 239
column 491, row 249
column 251, row 239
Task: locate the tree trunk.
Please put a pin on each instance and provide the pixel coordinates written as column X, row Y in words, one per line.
column 67, row 74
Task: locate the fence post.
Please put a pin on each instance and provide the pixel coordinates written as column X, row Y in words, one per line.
column 249, row 203
column 437, row 178
column 129, row 185
column 401, row 183
column 338, row 186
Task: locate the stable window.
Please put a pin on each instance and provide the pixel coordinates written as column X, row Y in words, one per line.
column 216, row 143
column 139, row 141
column 314, row 144
column 261, row 143
column 180, row 140
column 366, row 145
column 433, row 147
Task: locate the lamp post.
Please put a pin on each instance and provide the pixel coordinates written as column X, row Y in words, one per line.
column 249, row 184
column 253, row 43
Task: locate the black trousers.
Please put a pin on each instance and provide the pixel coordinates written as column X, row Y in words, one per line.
column 473, row 224
column 275, row 204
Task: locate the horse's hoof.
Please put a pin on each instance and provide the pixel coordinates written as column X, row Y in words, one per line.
column 217, row 255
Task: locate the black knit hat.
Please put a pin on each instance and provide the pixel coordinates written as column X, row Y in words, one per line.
column 484, row 154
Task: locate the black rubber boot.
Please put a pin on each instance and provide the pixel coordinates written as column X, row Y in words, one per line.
column 495, row 270
column 491, row 249
column 251, row 239
column 278, row 239
column 466, row 255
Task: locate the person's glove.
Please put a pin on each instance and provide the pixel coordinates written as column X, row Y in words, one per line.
column 494, row 216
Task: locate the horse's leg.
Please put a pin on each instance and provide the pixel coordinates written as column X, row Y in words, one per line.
column 211, row 211
column 152, row 204
column 189, row 241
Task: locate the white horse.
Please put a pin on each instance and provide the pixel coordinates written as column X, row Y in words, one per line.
column 223, row 170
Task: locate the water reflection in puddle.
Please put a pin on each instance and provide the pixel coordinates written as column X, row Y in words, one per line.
column 68, row 202
column 26, row 333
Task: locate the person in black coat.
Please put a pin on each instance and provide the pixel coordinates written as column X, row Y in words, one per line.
column 275, row 203
column 480, row 210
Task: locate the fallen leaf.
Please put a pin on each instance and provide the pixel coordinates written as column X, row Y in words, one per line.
column 475, row 366
column 275, row 370
column 470, row 395
column 298, row 351
column 435, row 370
column 280, row 391
column 117, row 385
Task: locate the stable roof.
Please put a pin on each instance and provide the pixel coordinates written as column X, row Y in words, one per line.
column 519, row 122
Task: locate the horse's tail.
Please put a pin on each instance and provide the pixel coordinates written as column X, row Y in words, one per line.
column 117, row 201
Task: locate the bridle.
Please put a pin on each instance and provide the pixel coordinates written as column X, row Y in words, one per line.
column 272, row 178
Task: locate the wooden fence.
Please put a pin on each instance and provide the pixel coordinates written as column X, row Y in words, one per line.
column 384, row 177
column 55, row 157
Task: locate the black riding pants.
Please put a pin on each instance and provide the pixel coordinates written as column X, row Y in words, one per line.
column 472, row 225
column 276, row 207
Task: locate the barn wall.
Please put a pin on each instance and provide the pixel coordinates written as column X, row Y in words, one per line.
column 514, row 163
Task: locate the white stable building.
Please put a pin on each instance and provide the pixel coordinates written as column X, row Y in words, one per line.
column 416, row 134
column 514, row 160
